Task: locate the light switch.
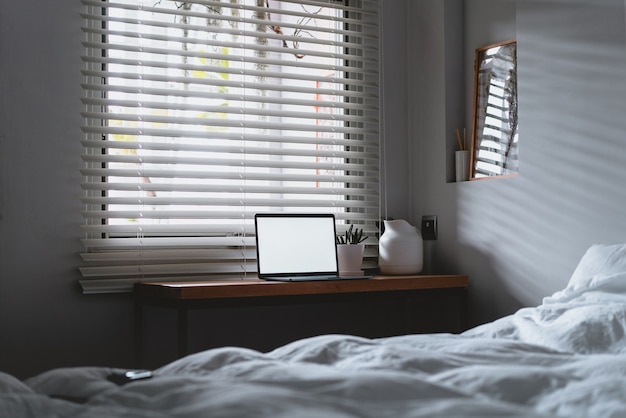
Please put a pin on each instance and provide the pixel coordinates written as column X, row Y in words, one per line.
column 429, row 227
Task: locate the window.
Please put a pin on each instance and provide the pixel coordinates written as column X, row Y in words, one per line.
column 496, row 137
column 199, row 114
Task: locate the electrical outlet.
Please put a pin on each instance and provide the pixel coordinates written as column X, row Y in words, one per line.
column 429, row 227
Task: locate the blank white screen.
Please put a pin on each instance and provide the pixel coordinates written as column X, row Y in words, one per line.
column 296, row 245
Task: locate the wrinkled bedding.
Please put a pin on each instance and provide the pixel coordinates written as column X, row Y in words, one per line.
column 563, row 358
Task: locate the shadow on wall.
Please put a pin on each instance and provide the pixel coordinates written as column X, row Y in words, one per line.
column 532, row 230
column 490, row 297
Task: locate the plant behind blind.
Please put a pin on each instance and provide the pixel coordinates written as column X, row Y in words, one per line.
column 199, row 114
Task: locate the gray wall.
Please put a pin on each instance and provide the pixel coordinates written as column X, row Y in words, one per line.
column 44, row 320
column 520, row 238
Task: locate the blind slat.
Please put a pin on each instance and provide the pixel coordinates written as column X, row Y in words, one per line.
column 330, row 178
column 341, row 6
column 165, row 269
column 145, row 132
column 164, row 93
column 338, row 151
column 227, row 121
column 146, row 90
column 223, row 162
column 231, row 110
column 217, row 188
column 169, row 242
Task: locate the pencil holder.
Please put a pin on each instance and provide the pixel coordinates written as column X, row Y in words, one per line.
column 461, row 161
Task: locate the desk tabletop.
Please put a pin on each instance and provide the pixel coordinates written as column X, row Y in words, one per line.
column 223, row 289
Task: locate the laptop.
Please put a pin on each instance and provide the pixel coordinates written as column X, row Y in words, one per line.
column 297, row 247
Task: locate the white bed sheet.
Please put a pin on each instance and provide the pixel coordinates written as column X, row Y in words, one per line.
column 564, row 358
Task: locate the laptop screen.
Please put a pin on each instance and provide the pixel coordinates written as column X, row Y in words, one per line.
column 295, row 244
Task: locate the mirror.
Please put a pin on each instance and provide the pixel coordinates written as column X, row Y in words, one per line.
column 495, row 132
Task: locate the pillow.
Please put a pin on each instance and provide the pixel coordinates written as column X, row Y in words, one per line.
column 599, row 259
column 602, row 266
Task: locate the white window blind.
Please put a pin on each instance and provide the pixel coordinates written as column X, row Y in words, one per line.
column 199, row 114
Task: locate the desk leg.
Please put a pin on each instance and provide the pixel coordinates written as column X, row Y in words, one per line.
column 138, row 332
column 408, row 309
column 465, row 311
column 183, row 348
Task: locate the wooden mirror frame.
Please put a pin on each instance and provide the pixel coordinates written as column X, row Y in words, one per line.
column 494, row 151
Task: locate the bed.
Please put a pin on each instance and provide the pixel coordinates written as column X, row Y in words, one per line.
column 563, row 358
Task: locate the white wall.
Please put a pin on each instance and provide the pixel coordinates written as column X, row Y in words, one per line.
column 44, row 319
column 519, row 239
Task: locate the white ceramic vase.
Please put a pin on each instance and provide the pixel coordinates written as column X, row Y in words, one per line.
column 350, row 259
column 400, row 248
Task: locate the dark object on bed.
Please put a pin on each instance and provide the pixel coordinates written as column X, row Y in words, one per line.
column 127, row 376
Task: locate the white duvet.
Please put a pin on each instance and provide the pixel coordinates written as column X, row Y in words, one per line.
column 564, row 358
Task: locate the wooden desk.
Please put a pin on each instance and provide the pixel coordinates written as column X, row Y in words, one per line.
column 183, row 296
